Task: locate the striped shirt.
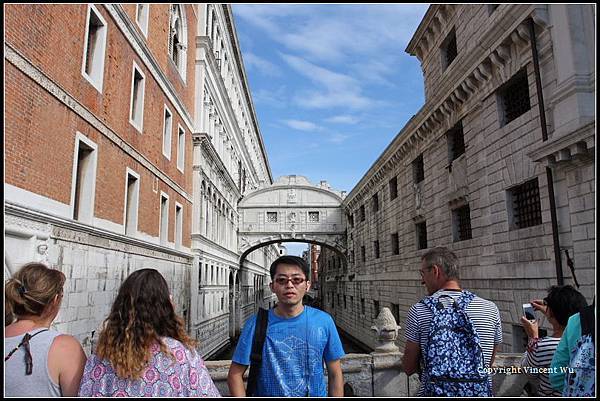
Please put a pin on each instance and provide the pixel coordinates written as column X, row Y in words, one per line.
column 541, row 357
column 483, row 313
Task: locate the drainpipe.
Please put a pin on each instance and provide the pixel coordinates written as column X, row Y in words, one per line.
column 540, row 95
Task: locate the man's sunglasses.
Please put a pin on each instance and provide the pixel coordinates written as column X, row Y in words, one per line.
column 295, row 280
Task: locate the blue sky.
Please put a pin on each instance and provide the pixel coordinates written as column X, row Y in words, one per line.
column 331, row 84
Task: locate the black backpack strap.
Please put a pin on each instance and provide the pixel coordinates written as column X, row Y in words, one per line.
column 258, row 342
column 586, row 316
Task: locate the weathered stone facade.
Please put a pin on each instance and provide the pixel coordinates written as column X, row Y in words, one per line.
column 410, row 208
column 130, row 139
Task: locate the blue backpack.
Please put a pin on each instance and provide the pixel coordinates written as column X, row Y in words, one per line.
column 580, row 380
column 454, row 362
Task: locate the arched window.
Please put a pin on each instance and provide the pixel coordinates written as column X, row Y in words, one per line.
column 178, row 38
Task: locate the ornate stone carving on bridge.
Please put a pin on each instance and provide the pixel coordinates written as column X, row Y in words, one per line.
column 386, row 330
column 291, row 195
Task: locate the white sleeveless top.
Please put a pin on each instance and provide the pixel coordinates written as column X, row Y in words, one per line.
column 39, row 383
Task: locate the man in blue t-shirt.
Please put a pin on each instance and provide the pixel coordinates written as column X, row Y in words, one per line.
column 298, row 340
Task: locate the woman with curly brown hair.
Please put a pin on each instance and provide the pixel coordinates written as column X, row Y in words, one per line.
column 38, row 361
column 143, row 349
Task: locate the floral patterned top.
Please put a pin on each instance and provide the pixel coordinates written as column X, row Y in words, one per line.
column 187, row 376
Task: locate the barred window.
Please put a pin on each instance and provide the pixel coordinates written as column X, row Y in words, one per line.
column 351, row 220
column 345, row 305
column 449, row 50
column 375, row 203
column 395, row 244
column 375, row 309
column 363, row 254
column 376, row 249
column 395, row 312
column 313, row 217
column 462, row 223
column 421, row 235
column 393, row 183
column 418, row 169
column 456, row 141
column 525, row 199
column 362, row 213
column 362, row 306
column 514, row 97
column 271, row 217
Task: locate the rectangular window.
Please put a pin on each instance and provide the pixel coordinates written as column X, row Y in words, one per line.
column 462, row 223
column 351, row 220
column 449, row 50
column 418, row 169
column 131, row 202
column 363, row 254
column 94, row 48
column 313, row 217
column 525, row 204
column 271, row 217
column 395, row 244
column 141, row 17
column 375, row 309
column 456, row 142
column 375, row 203
column 167, row 129
column 84, row 179
column 178, row 225
column 136, row 117
column 393, row 184
column 514, row 97
column 362, row 213
column 352, row 256
column 180, row 148
column 421, row 235
column 362, row 306
column 164, row 218
column 345, row 305
column 376, row 249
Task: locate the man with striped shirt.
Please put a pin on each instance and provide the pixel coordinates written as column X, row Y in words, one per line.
column 440, row 275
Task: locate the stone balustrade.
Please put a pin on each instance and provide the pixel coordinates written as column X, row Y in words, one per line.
column 380, row 374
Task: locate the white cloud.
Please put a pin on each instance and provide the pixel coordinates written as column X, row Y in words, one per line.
column 338, row 138
column 302, row 125
column 252, row 61
column 343, row 119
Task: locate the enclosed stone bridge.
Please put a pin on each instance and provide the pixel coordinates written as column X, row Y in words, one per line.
column 292, row 210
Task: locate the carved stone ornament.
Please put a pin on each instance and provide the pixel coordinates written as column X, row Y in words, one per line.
column 386, row 330
column 291, row 195
column 292, row 217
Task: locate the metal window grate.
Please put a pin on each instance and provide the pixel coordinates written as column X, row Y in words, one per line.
column 363, row 254
column 463, row 221
column 450, row 48
column 421, row 235
column 515, row 97
column 418, row 169
column 393, row 188
column 395, row 244
column 376, row 249
column 313, row 217
column 526, row 204
column 456, row 141
column 375, row 203
column 271, row 217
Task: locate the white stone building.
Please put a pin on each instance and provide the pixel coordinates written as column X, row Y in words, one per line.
column 498, row 165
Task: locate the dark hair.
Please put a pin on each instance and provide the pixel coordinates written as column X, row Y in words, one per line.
column 564, row 301
column 141, row 314
column 445, row 259
column 290, row 260
column 31, row 289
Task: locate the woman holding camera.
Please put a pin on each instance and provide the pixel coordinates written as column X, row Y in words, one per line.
column 560, row 303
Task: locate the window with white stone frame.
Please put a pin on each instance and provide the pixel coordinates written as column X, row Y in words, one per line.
column 138, row 82
column 94, row 48
column 84, row 179
column 178, row 38
column 271, row 217
column 141, row 17
column 164, row 218
column 167, row 130
column 132, row 194
column 178, row 225
column 313, row 217
column 180, row 148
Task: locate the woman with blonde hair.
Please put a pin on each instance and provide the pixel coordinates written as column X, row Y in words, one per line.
column 143, row 349
column 38, row 361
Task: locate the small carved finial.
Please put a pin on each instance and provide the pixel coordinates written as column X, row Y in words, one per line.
column 386, row 330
